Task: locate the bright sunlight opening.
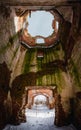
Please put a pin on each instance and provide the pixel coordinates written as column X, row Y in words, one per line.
column 40, row 23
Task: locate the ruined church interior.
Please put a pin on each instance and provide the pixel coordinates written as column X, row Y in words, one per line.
column 40, row 65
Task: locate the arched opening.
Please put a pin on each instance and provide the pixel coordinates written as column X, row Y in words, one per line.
column 40, row 102
column 40, row 40
column 40, row 106
column 40, row 99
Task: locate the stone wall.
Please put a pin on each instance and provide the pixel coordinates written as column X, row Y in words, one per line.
column 75, row 65
column 77, row 111
column 10, row 63
column 10, row 49
column 75, row 70
column 23, row 64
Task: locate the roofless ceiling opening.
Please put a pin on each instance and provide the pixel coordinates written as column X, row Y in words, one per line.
column 39, row 28
column 40, row 23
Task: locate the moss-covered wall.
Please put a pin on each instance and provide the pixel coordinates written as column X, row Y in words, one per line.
column 75, row 61
column 75, row 73
column 45, row 71
column 75, row 65
column 32, row 63
column 11, row 58
column 10, row 49
column 30, row 70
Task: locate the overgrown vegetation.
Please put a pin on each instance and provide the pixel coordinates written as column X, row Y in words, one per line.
column 29, row 56
column 27, row 61
column 75, row 74
column 4, row 48
column 11, row 41
column 48, row 71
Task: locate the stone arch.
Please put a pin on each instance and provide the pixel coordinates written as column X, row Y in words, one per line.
column 47, row 97
column 47, row 92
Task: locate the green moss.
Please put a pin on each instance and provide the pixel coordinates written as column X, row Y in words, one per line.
column 56, row 55
column 10, row 42
column 54, row 77
column 39, row 81
column 27, row 62
column 33, row 51
column 75, row 73
column 14, row 55
column 39, row 63
column 4, row 48
column 57, row 78
column 13, row 38
column 39, row 68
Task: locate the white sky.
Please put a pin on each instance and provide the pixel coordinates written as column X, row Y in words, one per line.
column 40, row 40
column 40, row 98
column 40, row 23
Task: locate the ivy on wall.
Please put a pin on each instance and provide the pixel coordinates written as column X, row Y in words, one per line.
column 44, row 75
column 27, row 62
